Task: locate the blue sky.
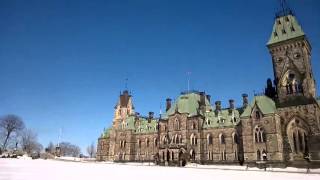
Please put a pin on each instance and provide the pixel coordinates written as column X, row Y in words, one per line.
column 63, row 63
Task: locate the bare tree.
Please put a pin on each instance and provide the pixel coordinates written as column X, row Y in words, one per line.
column 91, row 150
column 68, row 149
column 50, row 148
column 29, row 142
column 10, row 125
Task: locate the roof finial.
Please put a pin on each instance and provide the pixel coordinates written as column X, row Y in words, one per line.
column 188, row 76
column 285, row 9
column 126, row 84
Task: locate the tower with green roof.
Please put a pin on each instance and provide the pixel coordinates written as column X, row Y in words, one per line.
column 291, row 57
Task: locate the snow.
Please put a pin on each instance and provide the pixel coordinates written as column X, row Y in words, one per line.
column 26, row 169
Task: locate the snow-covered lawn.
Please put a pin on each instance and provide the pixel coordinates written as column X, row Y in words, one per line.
column 26, row 169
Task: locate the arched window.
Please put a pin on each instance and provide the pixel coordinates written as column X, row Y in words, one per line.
column 222, row 139
column 258, row 115
column 209, row 139
column 258, row 155
column 194, row 126
column 139, row 143
column 297, row 135
column 176, row 124
column 164, row 139
column 259, row 135
column 235, row 138
column 163, row 156
column 155, row 142
column 193, row 139
column 147, row 142
column 172, row 155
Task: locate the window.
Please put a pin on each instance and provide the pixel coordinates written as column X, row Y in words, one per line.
column 164, row 140
column 283, row 31
column 194, row 126
column 235, row 138
column 279, row 22
column 139, row 143
column 147, row 142
column 155, row 141
column 275, row 34
column 177, row 124
column 209, row 139
column 222, row 139
column 259, row 135
column 258, row 115
column 258, row 155
column 193, row 139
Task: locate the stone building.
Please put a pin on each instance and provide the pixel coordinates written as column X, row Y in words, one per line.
column 282, row 126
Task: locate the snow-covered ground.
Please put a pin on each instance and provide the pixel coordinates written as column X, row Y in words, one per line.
column 26, row 169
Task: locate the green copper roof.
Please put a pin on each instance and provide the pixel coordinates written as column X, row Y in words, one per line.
column 264, row 103
column 187, row 103
column 106, row 133
column 285, row 28
column 140, row 124
column 223, row 118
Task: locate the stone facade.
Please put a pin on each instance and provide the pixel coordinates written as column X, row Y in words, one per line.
column 282, row 126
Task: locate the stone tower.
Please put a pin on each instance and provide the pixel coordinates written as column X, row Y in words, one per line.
column 123, row 109
column 291, row 58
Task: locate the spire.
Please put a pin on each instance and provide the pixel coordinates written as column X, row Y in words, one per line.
column 286, row 26
column 285, row 9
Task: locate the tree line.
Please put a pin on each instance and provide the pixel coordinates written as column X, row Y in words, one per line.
column 16, row 137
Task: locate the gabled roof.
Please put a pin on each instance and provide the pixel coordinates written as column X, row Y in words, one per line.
column 285, row 28
column 188, row 103
column 264, row 103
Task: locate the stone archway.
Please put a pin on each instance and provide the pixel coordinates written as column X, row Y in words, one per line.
column 182, row 158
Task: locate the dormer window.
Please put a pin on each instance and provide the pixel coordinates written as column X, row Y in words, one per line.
column 283, row 31
column 275, row 34
column 279, row 22
column 287, row 19
column 292, row 29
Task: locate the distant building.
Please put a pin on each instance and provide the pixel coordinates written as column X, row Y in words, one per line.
column 282, row 126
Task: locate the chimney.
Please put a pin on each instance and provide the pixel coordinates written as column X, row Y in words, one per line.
column 245, row 100
column 218, row 105
column 209, row 97
column 202, row 98
column 231, row 104
column 168, row 104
